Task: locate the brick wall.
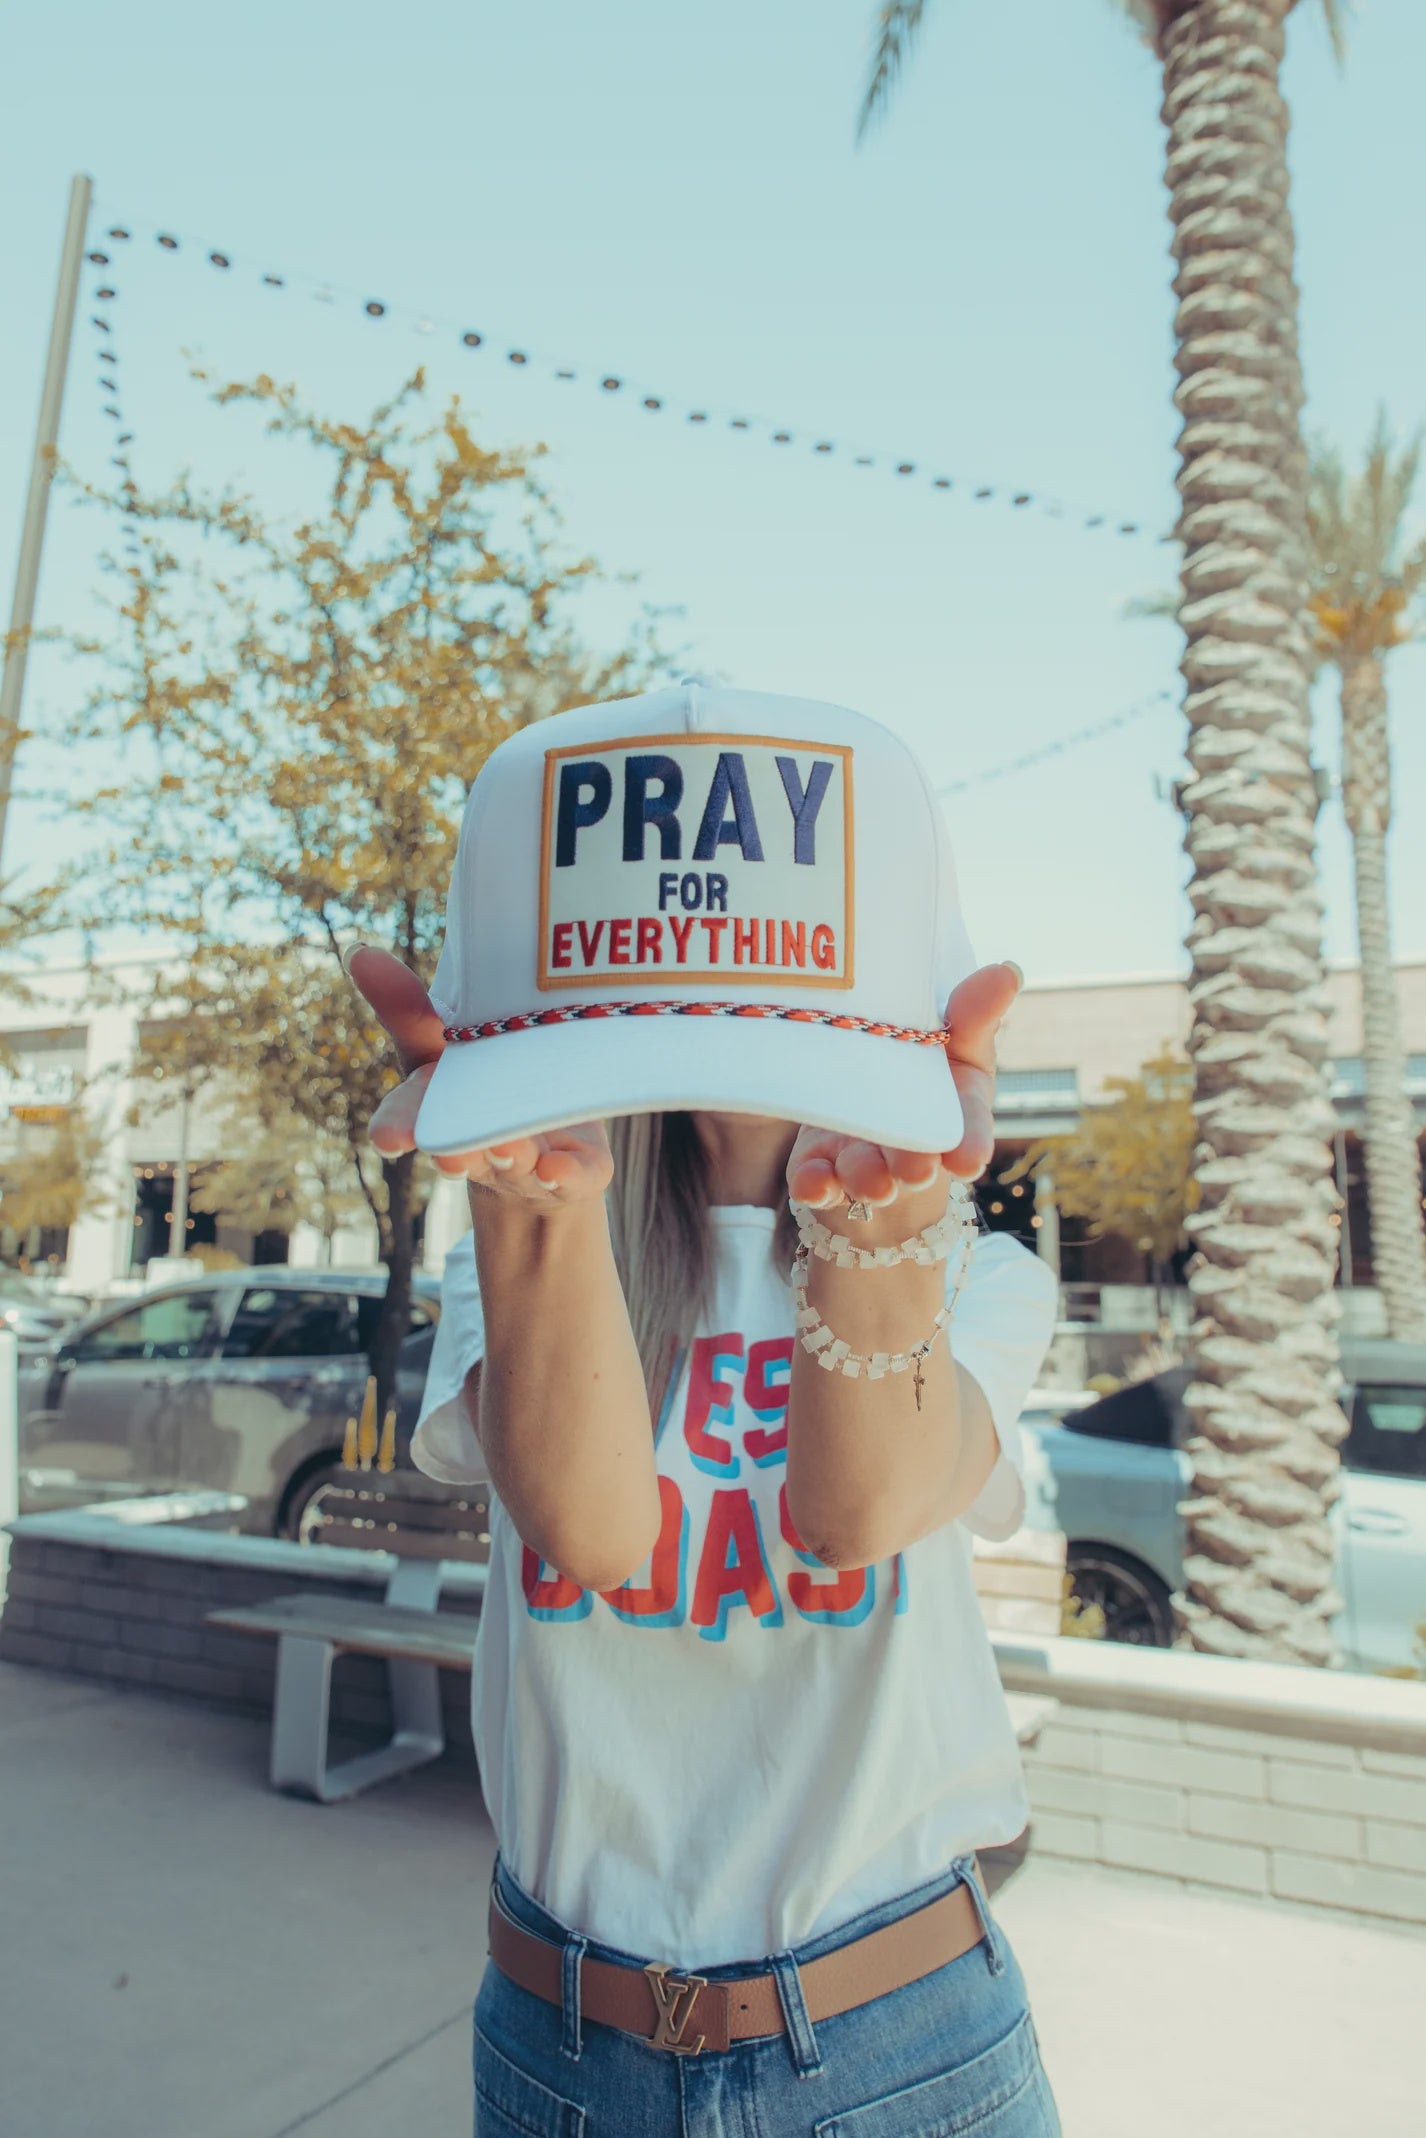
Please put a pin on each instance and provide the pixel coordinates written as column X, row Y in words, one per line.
column 1021, row 1583
column 1268, row 1802
column 132, row 1617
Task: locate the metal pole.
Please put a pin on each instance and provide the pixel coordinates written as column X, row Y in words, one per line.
column 27, row 569
column 178, row 1214
column 9, row 1445
column 1047, row 1232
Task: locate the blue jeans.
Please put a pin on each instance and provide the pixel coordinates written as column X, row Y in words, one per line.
column 954, row 2052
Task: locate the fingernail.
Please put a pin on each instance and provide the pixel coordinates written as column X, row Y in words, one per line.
column 1019, row 976
column 348, row 955
column 501, row 1165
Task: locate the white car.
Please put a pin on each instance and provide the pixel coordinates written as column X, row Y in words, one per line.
column 1112, row 1476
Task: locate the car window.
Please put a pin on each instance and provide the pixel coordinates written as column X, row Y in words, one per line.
column 1145, row 1412
column 1388, row 1433
column 421, row 1320
column 280, row 1322
column 173, row 1328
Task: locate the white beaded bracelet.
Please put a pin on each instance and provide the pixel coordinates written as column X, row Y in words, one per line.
column 834, row 1355
column 934, row 1244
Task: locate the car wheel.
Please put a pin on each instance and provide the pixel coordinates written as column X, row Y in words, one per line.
column 308, row 1504
column 1135, row 1603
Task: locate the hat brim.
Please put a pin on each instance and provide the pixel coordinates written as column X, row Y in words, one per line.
column 889, row 1091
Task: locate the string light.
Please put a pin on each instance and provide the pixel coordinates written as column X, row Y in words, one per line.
column 1045, row 751
column 106, row 295
column 520, row 356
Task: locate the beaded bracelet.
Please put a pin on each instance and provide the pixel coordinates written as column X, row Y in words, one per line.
column 933, row 1245
column 834, row 1355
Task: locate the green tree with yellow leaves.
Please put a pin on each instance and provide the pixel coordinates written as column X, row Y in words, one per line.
column 257, row 1188
column 1127, row 1167
column 298, row 706
column 51, row 1173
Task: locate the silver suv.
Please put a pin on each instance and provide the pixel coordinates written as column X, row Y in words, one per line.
column 242, row 1381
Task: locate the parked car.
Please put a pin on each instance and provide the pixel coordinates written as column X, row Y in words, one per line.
column 1112, row 1477
column 239, row 1380
column 35, row 1310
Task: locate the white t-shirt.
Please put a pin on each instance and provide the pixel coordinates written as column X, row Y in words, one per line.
column 744, row 1748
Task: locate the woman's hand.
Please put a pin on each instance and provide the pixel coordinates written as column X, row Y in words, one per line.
column 563, row 1166
column 826, row 1171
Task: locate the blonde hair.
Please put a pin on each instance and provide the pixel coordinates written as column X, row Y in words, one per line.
column 663, row 1243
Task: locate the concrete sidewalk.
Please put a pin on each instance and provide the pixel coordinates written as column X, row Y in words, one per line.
column 186, row 1955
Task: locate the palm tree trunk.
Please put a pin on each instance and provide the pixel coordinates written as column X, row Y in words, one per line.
column 1259, row 1572
column 1393, row 1157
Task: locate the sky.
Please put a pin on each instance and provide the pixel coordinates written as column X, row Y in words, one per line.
column 675, row 197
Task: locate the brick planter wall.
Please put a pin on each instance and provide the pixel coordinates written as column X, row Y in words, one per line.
column 91, row 1594
column 1297, row 1784
column 122, row 1595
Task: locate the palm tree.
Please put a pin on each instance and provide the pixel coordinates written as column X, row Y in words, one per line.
column 1363, row 587
column 1259, row 1560
column 1362, row 591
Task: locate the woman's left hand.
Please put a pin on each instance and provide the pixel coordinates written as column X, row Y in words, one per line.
column 827, row 1171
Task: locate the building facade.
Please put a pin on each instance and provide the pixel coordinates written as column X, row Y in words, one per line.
column 68, row 1048
column 1060, row 1043
column 67, row 1059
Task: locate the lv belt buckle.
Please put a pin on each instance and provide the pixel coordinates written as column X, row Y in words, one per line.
column 669, row 1989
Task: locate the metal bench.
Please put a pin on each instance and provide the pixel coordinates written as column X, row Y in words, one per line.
column 413, row 1638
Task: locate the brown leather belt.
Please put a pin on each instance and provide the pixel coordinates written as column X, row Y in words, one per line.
column 687, row 2014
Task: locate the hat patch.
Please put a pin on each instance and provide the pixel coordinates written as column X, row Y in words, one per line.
column 675, row 860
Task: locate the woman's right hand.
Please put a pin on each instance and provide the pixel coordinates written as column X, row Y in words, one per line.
column 546, row 1172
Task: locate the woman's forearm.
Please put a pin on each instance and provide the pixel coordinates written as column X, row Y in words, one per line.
column 564, row 1413
column 867, row 1472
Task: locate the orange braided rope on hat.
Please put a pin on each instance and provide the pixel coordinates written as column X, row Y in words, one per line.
column 577, row 1013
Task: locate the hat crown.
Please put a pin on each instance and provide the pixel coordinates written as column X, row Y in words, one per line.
column 703, row 842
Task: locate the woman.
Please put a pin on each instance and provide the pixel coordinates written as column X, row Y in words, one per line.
column 739, row 1722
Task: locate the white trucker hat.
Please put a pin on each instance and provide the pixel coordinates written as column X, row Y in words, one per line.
column 699, row 898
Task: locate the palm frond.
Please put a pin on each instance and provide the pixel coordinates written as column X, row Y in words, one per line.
column 1149, row 14
column 1413, row 570
column 1387, row 486
column 1337, row 12
column 1356, row 522
column 1328, row 512
column 1140, row 608
column 1364, row 580
column 896, row 27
